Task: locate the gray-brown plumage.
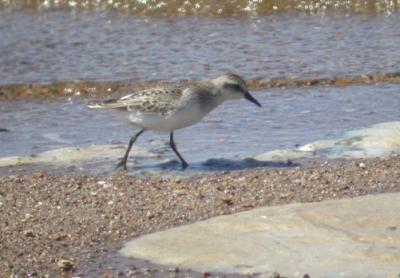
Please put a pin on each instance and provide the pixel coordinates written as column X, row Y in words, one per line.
column 175, row 106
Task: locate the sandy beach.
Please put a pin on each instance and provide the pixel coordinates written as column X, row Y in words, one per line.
column 71, row 225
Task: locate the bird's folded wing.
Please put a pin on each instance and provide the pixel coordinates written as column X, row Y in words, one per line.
column 146, row 101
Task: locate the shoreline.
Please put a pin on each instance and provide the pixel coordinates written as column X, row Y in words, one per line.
column 99, row 89
column 86, row 219
column 209, row 8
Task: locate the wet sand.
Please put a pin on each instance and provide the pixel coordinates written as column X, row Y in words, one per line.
column 97, row 89
column 84, row 220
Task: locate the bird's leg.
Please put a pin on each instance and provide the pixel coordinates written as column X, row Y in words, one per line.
column 123, row 161
column 173, row 146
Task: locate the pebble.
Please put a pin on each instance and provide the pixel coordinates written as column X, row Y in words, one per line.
column 40, row 174
column 78, row 221
column 173, row 269
column 28, row 233
column 65, row 265
column 227, row 199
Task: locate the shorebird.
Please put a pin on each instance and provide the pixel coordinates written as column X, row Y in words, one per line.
column 174, row 107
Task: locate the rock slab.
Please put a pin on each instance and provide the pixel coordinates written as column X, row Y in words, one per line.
column 379, row 140
column 357, row 237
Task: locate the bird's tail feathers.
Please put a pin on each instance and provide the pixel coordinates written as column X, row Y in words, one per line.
column 106, row 104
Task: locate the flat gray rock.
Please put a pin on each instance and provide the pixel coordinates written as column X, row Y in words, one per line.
column 379, row 140
column 69, row 155
column 357, row 237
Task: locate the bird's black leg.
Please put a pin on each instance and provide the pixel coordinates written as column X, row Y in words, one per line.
column 173, row 146
column 123, row 161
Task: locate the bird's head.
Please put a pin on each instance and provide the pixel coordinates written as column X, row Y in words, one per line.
column 232, row 86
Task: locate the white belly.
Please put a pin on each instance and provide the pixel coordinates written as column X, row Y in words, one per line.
column 183, row 118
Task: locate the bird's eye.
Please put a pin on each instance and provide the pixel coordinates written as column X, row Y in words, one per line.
column 234, row 87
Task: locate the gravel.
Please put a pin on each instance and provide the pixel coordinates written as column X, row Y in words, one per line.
column 53, row 225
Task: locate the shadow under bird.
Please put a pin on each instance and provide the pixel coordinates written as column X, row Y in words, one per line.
column 175, row 106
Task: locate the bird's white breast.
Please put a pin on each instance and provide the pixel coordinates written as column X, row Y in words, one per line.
column 186, row 116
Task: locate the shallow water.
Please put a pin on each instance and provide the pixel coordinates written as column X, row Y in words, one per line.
column 233, row 132
column 64, row 45
column 46, row 42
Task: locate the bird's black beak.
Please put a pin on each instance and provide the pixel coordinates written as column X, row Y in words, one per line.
column 252, row 99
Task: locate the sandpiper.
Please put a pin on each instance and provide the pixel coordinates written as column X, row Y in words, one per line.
column 175, row 106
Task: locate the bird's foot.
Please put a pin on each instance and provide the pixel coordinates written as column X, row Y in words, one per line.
column 122, row 164
column 184, row 165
